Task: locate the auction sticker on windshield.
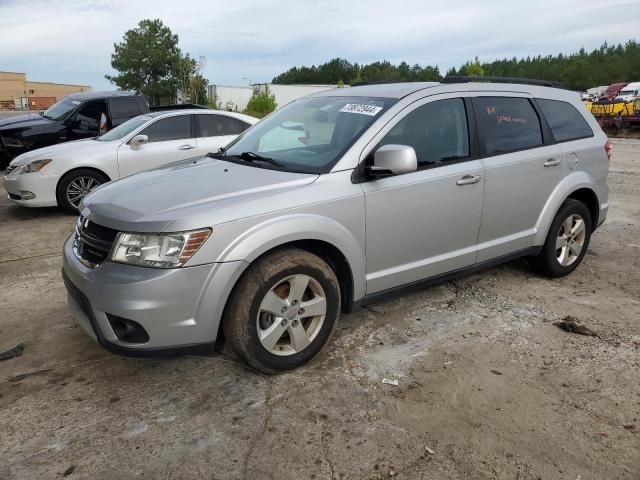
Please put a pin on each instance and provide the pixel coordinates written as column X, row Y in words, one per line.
column 362, row 109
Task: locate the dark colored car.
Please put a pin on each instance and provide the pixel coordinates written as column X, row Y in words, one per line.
column 74, row 117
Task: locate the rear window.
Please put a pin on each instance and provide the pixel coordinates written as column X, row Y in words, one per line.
column 506, row 124
column 122, row 108
column 565, row 121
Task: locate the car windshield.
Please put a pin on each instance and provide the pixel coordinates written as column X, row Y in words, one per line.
column 61, row 109
column 124, row 129
column 626, row 92
column 308, row 135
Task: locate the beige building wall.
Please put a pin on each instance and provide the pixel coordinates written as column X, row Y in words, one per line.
column 12, row 85
column 58, row 90
column 15, row 85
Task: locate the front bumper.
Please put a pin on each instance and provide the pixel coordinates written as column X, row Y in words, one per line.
column 179, row 308
column 41, row 185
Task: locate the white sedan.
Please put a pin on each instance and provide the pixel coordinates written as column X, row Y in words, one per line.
column 63, row 174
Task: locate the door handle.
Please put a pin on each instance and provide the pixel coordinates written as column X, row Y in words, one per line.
column 186, row 147
column 468, row 180
column 552, row 162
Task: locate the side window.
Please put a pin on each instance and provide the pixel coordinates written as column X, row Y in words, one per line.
column 565, row 121
column 218, row 125
column 88, row 117
column 437, row 131
column 506, row 124
column 171, row 128
column 123, row 109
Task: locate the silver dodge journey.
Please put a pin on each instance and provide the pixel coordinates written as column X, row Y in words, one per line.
column 336, row 200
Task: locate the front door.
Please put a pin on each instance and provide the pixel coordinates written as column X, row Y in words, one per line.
column 170, row 139
column 85, row 123
column 425, row 223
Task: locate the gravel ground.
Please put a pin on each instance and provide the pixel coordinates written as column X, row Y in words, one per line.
column 487, row 387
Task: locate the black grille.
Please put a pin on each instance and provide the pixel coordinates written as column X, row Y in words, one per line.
column 93, row 241
column 10, row 168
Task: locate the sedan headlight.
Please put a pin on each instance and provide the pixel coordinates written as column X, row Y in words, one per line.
column 158, row 250
column 34, row 166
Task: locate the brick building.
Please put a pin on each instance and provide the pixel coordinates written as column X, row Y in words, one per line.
column 15, row 89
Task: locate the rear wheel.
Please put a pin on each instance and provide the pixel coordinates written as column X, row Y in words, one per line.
column 75, row 185
column 283, row 310
column 567, row 240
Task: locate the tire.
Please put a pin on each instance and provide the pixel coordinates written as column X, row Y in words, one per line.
column 82, row 181
column 272, row 284
column 555, row 261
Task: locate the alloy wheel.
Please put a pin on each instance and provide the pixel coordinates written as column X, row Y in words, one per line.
column 79, row 187
column 570, row 240
column 291, row 315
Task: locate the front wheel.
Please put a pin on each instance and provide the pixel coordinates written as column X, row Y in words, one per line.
column 75, row 185
column 567, row 240
column 283, row 310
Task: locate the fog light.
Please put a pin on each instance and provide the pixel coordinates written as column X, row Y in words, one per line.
column 128, row 330
column 27, row 195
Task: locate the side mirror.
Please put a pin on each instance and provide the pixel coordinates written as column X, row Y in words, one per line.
column 394, row 160
column 138, row 141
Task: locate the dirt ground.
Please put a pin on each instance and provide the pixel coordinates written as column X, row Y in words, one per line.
column 487, row 387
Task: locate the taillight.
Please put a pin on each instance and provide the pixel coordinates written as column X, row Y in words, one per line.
column 607, row 148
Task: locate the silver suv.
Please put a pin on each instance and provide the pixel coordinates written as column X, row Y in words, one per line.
column 332, row 202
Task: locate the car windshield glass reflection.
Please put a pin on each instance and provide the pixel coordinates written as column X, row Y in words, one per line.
column 308, row 135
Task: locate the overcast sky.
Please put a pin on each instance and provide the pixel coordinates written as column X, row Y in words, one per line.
column 71, row 41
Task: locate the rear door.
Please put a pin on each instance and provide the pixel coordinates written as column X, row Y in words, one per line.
column 425, row 223
column 523, row 166
column 215, row 131
column 170, row 139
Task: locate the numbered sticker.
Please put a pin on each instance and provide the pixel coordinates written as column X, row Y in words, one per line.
column 361, row 109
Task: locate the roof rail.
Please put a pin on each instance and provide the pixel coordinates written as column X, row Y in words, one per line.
column 523, row 81
column 373, row 82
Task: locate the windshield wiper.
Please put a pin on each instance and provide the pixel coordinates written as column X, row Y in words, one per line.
column 254, row 157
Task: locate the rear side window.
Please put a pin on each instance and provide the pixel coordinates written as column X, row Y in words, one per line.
column 172, row 128
column 565, row 121
column 437, row 131
column 218, row 125
column 506, row 124
column 124, row 108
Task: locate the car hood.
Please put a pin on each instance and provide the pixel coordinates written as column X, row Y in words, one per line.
column 151, row 201
column 79, row 148
column 23, row 121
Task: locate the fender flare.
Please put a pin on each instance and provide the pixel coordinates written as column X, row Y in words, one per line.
column 568, row 185
column 275, row 232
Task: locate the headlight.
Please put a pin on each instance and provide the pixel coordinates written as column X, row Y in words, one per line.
column 34, row 166
column 158, row 250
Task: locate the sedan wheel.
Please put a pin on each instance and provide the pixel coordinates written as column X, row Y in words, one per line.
column 79, row 187
column 77, row 184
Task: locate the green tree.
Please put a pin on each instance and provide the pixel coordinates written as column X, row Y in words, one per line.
column 149, row 61
column 261, row 103
column 196, row 89
column 473, row 69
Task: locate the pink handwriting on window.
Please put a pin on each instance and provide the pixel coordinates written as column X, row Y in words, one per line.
column 509, row 119
column 490, row 109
